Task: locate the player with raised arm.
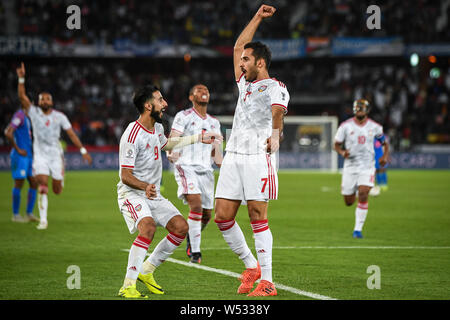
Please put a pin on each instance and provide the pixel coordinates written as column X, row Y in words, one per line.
column 18, row 134
column 358, row 135
column 194, row 173
column 139, row 198
column 248, row 174
column 48, row 155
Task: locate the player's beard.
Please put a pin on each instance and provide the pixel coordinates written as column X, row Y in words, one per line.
column 157, row 116
column 45, row 107
column 361, row 118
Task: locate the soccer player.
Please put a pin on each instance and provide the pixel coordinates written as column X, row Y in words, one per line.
column 248, row 174
column 358, row 134
column 380, row 173
column 194, row 173
column 139, row 197
column 18, row 134
column 48, row 156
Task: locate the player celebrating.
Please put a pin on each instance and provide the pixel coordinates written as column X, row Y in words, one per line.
column 193, row 166
column 139, row 197
column 248, row 172
column 18, row 134
column 358, row 134
column 48, row 156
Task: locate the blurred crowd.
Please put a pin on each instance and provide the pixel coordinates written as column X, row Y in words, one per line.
column 219, row 22
column 96, row 94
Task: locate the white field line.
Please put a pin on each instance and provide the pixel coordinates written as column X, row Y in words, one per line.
column 236, row 275
column 347, row 247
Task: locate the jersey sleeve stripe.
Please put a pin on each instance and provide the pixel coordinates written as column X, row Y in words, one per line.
column 132, row 132
column 279, row 105
column 133, row 139
column 164, row 144
column 177, row 130
column 125, row 166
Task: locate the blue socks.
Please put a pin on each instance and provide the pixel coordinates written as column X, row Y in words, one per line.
column 381, row 179
column 16, row 200
column 30, row 203
column 31, row 200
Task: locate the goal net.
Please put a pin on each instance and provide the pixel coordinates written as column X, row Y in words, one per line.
column 308, row 142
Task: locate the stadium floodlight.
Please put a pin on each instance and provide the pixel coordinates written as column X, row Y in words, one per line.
column 435, row 73
column 414, row 59
column 308, row 142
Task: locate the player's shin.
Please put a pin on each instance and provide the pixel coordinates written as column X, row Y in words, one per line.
column 195, row 228
column 16, row 200
column 360, row 215
column 31, row 200
column 136, row 257
column 163, row 250
column 43, row 204
column 234, row 237
column 263, row 246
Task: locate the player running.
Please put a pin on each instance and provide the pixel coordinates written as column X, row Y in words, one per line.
column 194, row 173
column 139, row 197
column 18, row 134
column 248, row 174
column 48, row 156
column 358, row 134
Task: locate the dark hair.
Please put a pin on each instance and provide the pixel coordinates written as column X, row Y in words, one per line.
column 260, row 51
column 191, row 91
column 142, row 95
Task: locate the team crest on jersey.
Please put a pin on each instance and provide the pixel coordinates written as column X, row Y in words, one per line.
column 147, row 146
column 47, row 123
column 262, row 88
column 191, row 186
column 138, row 207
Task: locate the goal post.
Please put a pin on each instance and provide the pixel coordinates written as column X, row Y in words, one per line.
column 308, row 142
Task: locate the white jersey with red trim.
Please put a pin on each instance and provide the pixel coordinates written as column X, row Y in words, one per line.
column 189, row 122
column 47, row 131
column 252, row 123
column 359, row 141
column 140, row 150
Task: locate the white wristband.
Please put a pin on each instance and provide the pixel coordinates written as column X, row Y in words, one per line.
column 83, row 150
column 21, row 80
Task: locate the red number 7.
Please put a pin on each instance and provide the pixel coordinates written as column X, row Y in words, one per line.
column 264, row 185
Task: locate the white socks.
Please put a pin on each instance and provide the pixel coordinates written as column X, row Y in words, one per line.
column 135, row 259
column 43, row 206
column 263, row 246
column 163, row 250
column 233, row 235
column 195, row 229
column 360, row 215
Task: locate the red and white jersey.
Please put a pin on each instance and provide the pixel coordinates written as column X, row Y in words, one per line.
column 252, row 123
column 140, row 150
column 189, row 122
column 47, row 130
column 359, row 141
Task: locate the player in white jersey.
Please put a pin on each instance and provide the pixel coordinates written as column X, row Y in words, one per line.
column 358, row 135
column 48, row 156
column 139, row 198
column 249, row 173
column 194, row 173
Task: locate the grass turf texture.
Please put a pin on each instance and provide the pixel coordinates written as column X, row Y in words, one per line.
column 87, row 230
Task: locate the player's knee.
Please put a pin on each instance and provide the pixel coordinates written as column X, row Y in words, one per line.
column 57, row 190
column 182, row 228
column 43, row 189
column 147, row 228
column 206, row 216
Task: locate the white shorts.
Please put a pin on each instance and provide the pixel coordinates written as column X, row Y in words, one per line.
column 352, row 179
column 248, row 177
column 49, row 165
column 135, row 207
column 193, row 182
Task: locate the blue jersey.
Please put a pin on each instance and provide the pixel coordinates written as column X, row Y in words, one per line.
column 22, row 133
column 378, row 148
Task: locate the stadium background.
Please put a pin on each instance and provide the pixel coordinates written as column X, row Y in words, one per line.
column 327, row 57
column 322, row 50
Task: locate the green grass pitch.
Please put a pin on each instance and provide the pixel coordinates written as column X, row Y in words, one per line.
column 407, row 235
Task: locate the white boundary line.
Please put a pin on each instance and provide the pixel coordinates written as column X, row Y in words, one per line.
column 236, row 275
column 347, row 247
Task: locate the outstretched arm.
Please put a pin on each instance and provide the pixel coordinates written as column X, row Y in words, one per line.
column 24, row 100
column 247, row 34
column 178, row 142
column 76, row 141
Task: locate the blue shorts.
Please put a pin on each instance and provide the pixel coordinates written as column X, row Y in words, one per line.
column 21, row 166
